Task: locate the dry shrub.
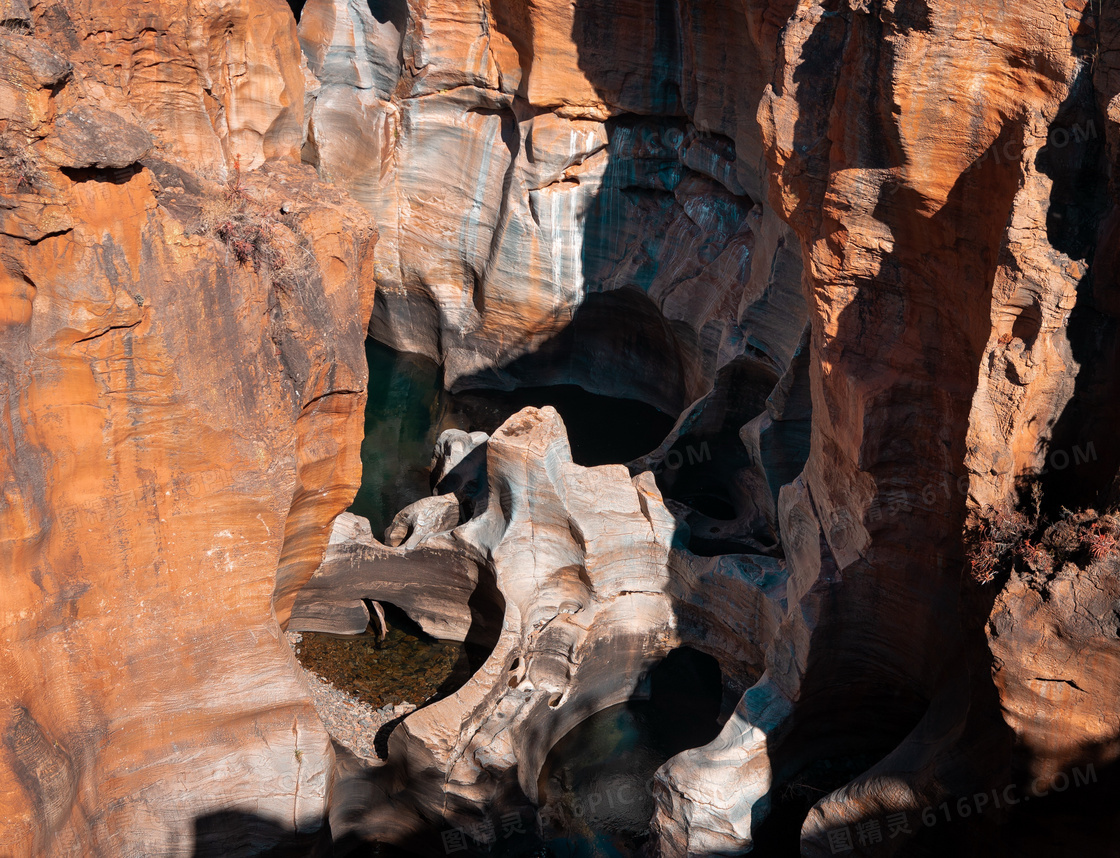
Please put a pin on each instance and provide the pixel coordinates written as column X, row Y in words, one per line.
column 257, row 237
column 1100, row 538
column 1037, row 558
column 994, row 542
column 1064, row 537
column 1006, row 536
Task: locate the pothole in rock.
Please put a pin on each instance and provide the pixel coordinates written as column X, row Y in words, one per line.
column 401, row 428
column 595, row 786
column 367, row 684
column 408, row 408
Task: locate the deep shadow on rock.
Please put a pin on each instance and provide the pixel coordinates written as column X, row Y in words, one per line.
column 233, row 834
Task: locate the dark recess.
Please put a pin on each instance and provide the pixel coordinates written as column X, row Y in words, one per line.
column 297, row 7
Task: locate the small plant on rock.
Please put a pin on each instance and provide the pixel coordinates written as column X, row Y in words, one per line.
column 18, row 26
column 255, row 236
column 1100, row 541
column 1037, row 558
column 994, row 542
column 1006, row 538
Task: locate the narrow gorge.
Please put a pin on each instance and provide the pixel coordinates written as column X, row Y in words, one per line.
column 520, row 428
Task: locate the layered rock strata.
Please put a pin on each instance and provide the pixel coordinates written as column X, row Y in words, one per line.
column 946, row 274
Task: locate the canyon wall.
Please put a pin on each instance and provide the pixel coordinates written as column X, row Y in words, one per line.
column 179, row 427
column 866, row 250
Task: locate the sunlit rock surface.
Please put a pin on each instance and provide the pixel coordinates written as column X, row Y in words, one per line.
column 178, row 429
column 867, row 253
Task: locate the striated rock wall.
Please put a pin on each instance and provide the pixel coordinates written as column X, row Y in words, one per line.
column 178, row 427
column 947, row 192
column 865, row 250
column 547, row 210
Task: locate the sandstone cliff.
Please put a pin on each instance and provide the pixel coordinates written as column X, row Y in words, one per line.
column 179, row 428
column 866, row 251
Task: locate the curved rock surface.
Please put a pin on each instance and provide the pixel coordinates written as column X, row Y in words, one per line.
column 583, row 571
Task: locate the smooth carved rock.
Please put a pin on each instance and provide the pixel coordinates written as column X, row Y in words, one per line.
column 423, row 518
column 456, row 454
column 433, row 588
column 580, row 569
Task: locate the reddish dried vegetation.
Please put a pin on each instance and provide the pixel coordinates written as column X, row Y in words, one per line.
column 1007, row 538
column 255, row 236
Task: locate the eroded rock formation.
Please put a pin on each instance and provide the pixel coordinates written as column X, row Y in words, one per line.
column 865, row 251
column 577, row 579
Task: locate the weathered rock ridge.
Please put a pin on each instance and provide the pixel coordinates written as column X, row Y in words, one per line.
column 866, row 252
column 581, row 573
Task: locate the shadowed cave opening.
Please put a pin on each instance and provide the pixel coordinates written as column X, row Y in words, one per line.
column 297, row 7
column 602, row 430
column 711, row 471
column 595, row 785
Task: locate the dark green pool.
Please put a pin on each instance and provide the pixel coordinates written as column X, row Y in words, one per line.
column 595, row 784
column 401, row 425
column 408, row 408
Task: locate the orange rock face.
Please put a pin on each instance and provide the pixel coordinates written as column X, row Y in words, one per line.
column 653, row 200
column 177, row 427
